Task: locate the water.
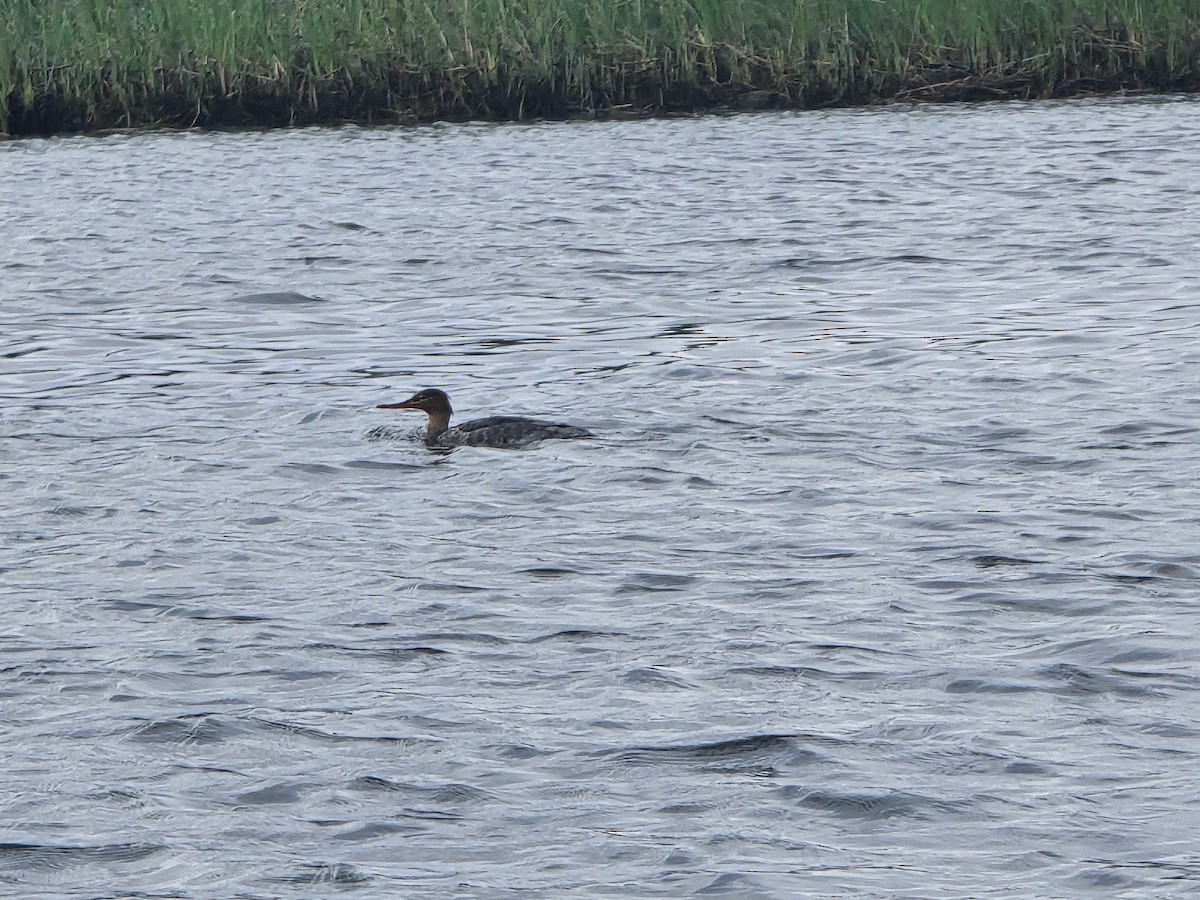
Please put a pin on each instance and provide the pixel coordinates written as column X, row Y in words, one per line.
column 880, row 579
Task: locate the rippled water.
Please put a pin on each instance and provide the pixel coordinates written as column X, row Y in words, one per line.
column 880, row 579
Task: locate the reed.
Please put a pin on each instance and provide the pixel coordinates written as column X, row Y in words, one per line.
column 75, row 64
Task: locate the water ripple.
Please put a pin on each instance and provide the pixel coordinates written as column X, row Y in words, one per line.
column 879, row 579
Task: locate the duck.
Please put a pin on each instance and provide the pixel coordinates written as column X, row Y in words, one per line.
column 504, row 432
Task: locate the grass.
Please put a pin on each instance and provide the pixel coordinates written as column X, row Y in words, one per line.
column 75, row 64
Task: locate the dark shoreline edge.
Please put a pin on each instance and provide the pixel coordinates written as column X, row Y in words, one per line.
column 633, row 90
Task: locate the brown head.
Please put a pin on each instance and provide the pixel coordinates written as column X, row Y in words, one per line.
column 430, row 400
column 433, row 403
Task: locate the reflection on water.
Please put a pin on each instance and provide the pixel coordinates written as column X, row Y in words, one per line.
column 878, row 580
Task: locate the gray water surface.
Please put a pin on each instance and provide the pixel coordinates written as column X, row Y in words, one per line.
column 880, row 578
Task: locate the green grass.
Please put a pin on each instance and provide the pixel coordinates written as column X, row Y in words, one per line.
column 96, row 63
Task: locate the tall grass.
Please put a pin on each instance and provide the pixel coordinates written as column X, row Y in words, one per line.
column 81, row 63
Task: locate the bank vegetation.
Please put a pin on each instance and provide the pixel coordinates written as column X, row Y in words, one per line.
column 69, row 65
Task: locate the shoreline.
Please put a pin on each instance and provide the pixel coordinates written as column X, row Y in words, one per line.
column 57, row 116
column 373, row 62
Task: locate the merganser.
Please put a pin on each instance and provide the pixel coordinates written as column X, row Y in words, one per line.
column 508, row 432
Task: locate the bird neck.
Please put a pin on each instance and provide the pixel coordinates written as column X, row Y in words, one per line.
column 438, row 423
